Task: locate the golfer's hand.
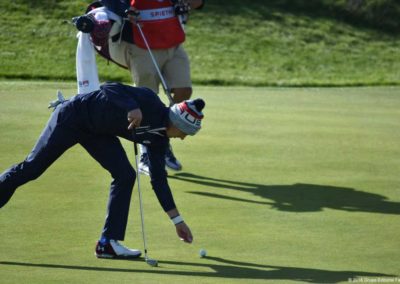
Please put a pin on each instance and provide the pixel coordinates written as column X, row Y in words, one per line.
column 134, row 118
column 184, row 232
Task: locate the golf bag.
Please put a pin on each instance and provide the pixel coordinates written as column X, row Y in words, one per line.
column 99, row 30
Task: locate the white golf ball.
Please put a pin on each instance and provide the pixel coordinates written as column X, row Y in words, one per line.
column 203, row 253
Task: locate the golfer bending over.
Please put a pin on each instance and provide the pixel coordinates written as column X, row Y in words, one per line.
column 95, row 120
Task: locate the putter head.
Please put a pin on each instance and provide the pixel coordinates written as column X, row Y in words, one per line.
column 151, row 262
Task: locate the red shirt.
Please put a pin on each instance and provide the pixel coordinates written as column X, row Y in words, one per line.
column 159, row 23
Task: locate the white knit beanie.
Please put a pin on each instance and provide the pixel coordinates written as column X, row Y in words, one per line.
column 187, row 115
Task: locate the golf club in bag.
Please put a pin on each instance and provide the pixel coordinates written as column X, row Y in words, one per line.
column 149, row 261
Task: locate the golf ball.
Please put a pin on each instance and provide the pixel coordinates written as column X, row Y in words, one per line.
column 202, row 253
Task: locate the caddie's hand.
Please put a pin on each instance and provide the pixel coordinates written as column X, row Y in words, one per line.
column 184, row 232
column 134, row 118
column 133, row 15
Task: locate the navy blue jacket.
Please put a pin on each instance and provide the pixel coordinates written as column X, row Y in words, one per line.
column 104, row 112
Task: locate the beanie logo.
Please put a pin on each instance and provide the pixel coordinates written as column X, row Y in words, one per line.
column 188, row 115
column 189, row 118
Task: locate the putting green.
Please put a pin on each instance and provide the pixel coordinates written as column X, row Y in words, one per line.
column 282, row 185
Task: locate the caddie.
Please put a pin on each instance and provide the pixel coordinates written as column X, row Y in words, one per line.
column 162, row 23
column 96, row 120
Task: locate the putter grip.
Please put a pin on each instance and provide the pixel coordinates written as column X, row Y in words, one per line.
column 134, row 142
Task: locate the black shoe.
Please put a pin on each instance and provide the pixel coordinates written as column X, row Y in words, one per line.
column 171, row 161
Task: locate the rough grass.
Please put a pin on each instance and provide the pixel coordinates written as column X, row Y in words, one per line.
column 282, row 185
column 279, row 43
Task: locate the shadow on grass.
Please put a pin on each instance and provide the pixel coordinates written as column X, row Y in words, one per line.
column 297, row 197
column 223, row 268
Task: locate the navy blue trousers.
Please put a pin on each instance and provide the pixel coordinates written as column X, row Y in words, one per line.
column 55, row 139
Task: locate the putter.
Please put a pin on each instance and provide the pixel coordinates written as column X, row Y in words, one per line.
column 149, row 261
column 163, row 82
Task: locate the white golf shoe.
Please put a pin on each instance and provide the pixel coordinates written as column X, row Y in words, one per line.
column 144, row 164
column 114, row 249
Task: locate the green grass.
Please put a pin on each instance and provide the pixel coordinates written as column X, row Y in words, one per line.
column 282, row 185
column 260, row 43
